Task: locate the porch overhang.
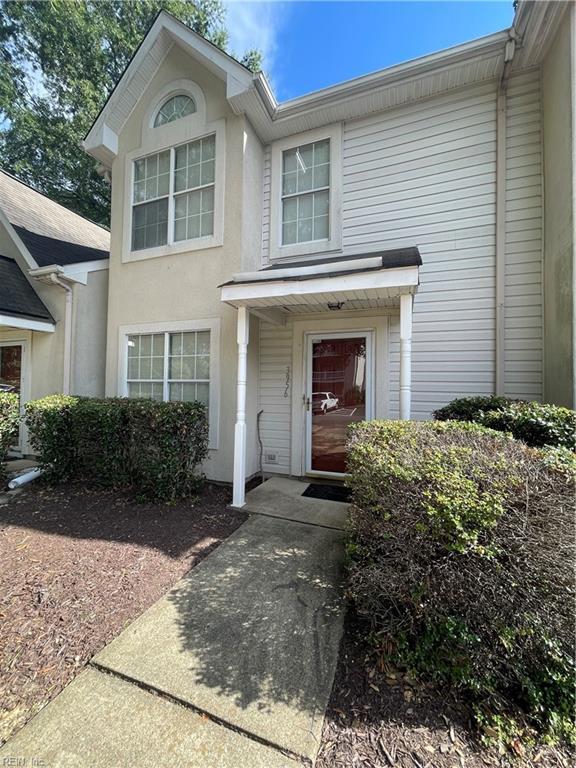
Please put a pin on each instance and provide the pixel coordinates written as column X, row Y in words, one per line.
column 351, row 283
column 371, row 281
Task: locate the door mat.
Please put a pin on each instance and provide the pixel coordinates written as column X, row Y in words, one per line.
column 328, row 492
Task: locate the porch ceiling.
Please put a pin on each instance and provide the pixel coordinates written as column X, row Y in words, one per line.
column 373, row 281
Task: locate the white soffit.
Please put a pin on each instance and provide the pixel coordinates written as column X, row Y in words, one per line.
column 385, row 284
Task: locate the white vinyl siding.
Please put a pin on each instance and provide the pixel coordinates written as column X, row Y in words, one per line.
column 523, row 282
column 274, row 397
column 266, row 205
column 425, row 175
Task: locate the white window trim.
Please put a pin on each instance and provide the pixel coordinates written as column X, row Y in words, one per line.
column 160, row 139
column 179, row 326
column 334, row 241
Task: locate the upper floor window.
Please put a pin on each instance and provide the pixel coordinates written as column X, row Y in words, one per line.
column 173, row 195
column 173, row 109
column 306, row 193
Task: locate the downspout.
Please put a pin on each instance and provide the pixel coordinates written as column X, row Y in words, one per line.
column 500, row 362
column 67, row 381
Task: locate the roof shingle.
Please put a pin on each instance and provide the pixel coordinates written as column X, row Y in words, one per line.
column 26, row 208
column 17, row 297
column 48, row 250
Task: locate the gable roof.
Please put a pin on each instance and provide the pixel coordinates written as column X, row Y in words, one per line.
column 49, row 250
column 478, row 61
column 17, row 297
column 33, row 212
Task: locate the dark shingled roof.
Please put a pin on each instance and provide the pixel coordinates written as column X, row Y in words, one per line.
column 49, row 250
column 17, row 297
column 392, row 259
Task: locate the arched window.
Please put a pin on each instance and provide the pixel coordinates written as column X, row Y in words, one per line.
column 174, row 108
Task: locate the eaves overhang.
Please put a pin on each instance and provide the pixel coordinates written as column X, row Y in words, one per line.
column 478, row 61
column 475, row 62
column 101, row 141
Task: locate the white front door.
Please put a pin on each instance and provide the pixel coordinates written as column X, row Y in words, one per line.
column 338, row 392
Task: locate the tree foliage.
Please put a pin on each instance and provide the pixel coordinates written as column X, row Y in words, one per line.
column 59, row 61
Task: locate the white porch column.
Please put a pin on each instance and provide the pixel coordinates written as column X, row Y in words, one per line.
column 405, row 354
column 238, row 495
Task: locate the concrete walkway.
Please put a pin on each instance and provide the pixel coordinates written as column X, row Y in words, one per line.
column 232, row 668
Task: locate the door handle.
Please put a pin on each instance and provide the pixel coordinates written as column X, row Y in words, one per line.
column 306, row 402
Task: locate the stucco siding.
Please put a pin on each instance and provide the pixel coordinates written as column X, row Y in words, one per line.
column 89, row 335
column 274, row 395
column 425, row 175
column 184, row 286
column 523, row 320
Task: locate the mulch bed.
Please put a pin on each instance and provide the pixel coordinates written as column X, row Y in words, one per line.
column 78, row 564
column 382, row 718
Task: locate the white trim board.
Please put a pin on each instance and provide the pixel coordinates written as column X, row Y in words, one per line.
column 27, row 324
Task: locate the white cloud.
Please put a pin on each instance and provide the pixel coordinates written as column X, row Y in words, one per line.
column 256, row 25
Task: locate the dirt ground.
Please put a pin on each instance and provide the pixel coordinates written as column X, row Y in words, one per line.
column 77, row 566
column 380, row 719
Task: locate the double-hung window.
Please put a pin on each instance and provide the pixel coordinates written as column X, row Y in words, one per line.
column 173, row 195
column 169, row 366
column 306, row 193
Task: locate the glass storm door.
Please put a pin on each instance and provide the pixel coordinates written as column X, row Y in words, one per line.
column 339, row 388
column 11, row 374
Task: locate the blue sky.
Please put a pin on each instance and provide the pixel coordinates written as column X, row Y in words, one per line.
column 311, row 45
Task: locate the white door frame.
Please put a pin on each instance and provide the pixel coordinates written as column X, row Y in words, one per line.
column 311, row 338
column 25, row 386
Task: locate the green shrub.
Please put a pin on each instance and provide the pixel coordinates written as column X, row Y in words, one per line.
column 50, row 432
column 154, row 448
column 9, row 421
column 461, row 558
column 471, row 408
column 537, row 424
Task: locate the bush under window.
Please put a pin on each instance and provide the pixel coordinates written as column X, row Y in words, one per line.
column 461, row 558
column 153, row 447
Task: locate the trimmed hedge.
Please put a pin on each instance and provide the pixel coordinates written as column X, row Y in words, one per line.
column 461, row 556
column 152, row 447
column 537, row 424
column 9, row 422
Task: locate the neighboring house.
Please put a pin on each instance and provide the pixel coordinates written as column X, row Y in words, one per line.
column 396, row 241
column 53, row 297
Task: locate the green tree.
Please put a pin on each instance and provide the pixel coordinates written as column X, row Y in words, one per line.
column 59, row 60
